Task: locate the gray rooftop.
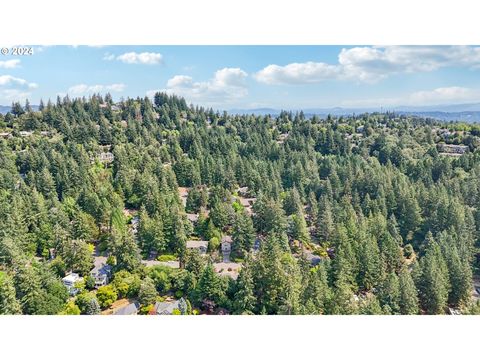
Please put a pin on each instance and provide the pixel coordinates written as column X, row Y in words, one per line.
column 130, row 309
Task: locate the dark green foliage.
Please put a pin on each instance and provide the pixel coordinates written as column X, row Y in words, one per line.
column 244, row 300
column 395, row 221
column 408, row 301
column 243, row 235
column 147, row 293
column 87, row 303
column 210, row 288
column 432, row 279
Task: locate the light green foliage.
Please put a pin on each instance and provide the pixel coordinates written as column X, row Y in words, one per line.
column 106, row 296
column 126, row 284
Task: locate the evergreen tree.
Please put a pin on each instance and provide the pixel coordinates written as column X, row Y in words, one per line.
column 147, row 294
column 390, row 293
column 244, row 299
column 408, row 301
column 243, row 235
column 325, row 225
column 433, row 284
column 9, row 305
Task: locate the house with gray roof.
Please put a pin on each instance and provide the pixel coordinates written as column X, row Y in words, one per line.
column 199, row 245
column 130, row 309
column 167, row 308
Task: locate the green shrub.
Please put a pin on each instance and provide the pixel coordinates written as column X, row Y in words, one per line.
column 167, row 257
column 70, row 309
column 106, row 296
column 90, row 282
column 213, row 244
column 176, row 312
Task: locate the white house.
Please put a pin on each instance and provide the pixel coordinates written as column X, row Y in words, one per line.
column 70, row 280
column 105, row 157
column 101, row 275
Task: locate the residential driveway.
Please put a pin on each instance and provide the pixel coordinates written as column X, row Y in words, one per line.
column 99, row 261
column 150, row 263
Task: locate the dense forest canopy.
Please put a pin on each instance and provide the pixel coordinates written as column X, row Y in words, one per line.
column 365, row 214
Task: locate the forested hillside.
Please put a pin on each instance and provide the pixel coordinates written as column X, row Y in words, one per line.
column 368, row 214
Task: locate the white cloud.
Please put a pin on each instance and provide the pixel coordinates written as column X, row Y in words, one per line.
column 14, row 95
column 15, row 89
column 9, row 80
column 298, row 73
column 371, row 64
column 453, row 94
column 84, row 89
column 227, row 85
column 148, row 58
column 9, row 64
column 439, row 96
column 180, row 81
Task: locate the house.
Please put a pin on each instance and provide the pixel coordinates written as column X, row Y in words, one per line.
column 105, row 157
column 70, row 280
column 452, row 150
column 130, row 309
column 5, row 135
column 312, row 258
column 193, row 218
column 243, row 191
column 200, row 246
column 168, row 307
column 101, row 275
column 247, row 203
column 101, row 272
column 226, row 247
column 135, row 222
column 26, row 133
column 282, row 138
column 183, row 192
column 227, row 243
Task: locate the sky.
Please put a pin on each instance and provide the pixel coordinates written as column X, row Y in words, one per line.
column 249, row 77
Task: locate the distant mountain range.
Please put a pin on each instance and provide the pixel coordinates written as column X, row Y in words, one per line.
column 460, row 112
column 4, row 109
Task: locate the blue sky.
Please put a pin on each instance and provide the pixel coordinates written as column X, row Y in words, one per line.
column 230, row 77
